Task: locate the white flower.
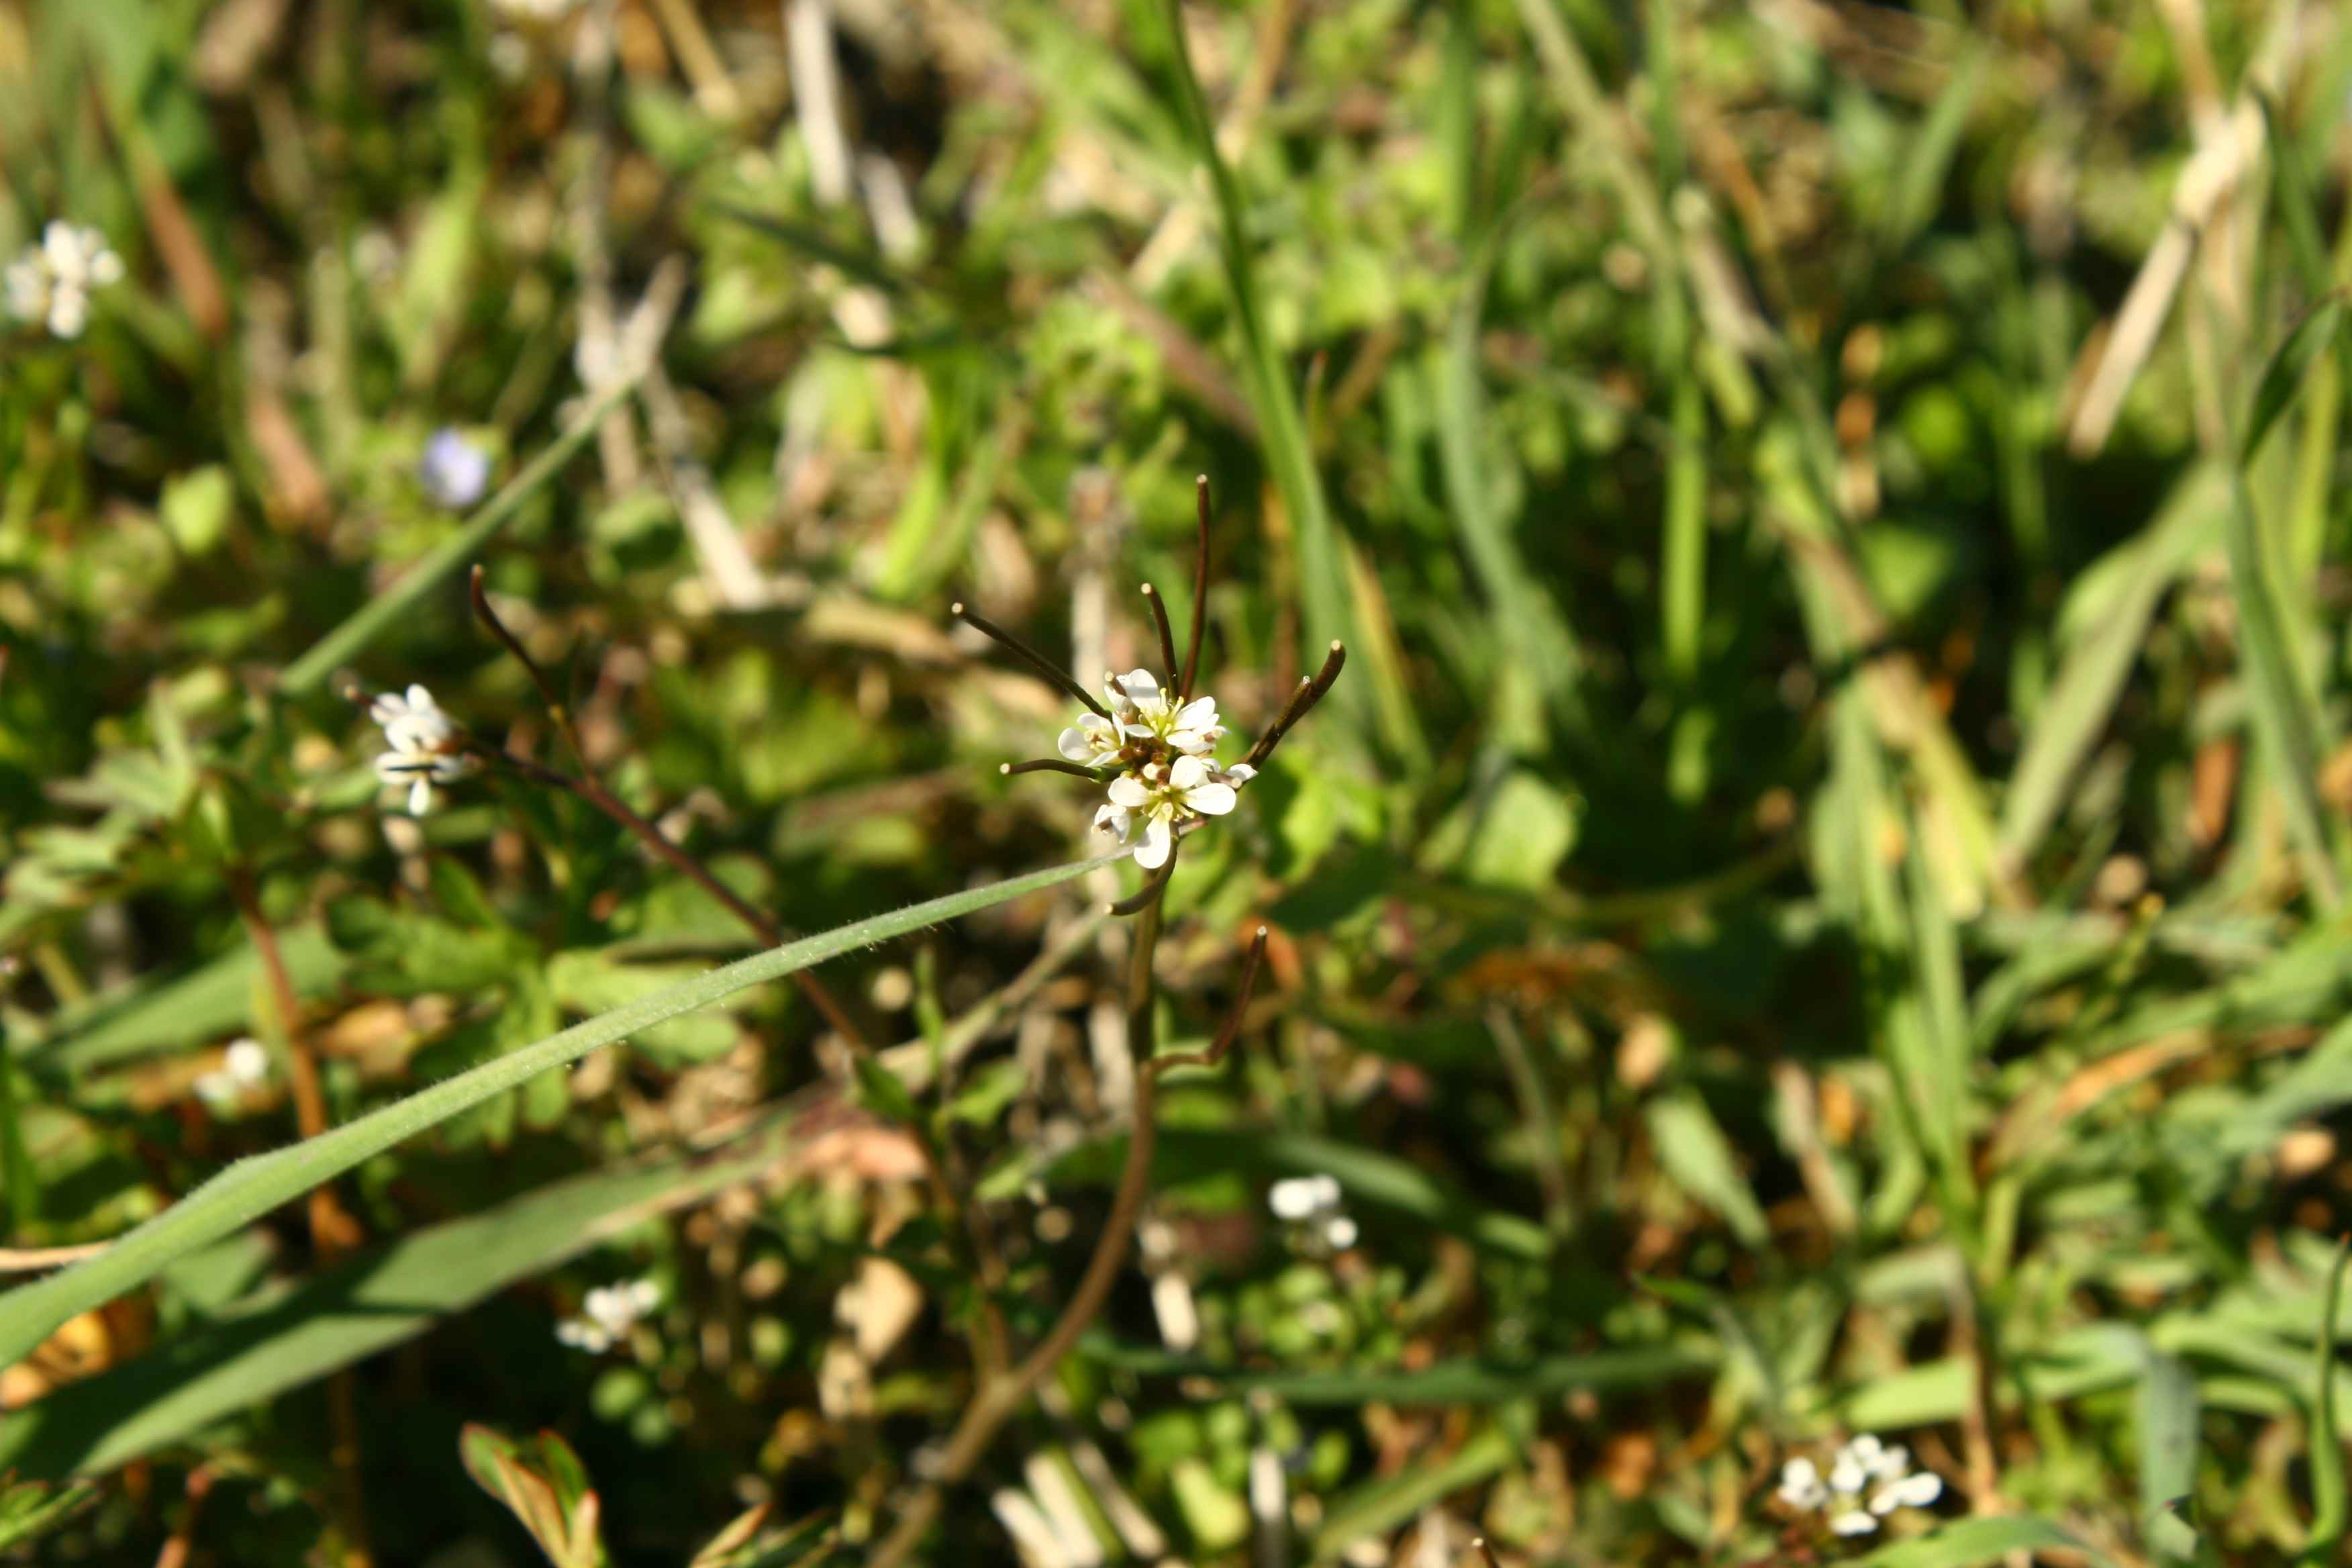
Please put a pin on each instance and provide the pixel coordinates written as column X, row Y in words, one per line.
column 1094, row 742
column 423, row 743
column 608, row 1314
column 1311, row 1204
column 1297, row 1198
column 244, row 1065
column 1869, row 1479
column 1148, row 711
column 52, row 282
column 1800, row 1486
column 1193, row 789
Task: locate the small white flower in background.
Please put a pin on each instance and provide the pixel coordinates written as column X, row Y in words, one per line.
column 1868, row 1480
column 453, row 470
column 51, row 282
column 244, row 1065
column 423, row 745
column 608, row 1314
column 532, row 10
column 1311, row 1205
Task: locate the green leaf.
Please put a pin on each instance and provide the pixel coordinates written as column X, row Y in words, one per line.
column 289, row 1334
column 195, row 508
column 541, row 1482
column 883, row 1093
column 1367, row 1176
column 1381, row 1506
column 2282, row 376
column 213, row 1000
column 1452, row 1383
column 1977, row 1542
column 28, row 1510
column 2168, row 1410
column 1697, row 1154
column 253, row 1187
column 2328, row 1507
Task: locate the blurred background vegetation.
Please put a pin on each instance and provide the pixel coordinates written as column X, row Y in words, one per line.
column 1816, row 909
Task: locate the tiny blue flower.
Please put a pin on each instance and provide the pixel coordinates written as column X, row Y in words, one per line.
column 454, row 471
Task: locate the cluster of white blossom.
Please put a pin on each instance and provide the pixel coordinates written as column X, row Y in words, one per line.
column 1164, row 749
column 1868, row 1480
column 1310, row 1204
column 244, row 1065
column 607, row 1315
column 51, row 282
column 424, row 749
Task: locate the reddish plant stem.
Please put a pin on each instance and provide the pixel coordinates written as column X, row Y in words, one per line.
column 332, row 1231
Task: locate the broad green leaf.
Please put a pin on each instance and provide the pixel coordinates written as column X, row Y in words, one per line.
column 1700, row 1158
column 251, row 1188
column 210, row 1001
column 289, row 1334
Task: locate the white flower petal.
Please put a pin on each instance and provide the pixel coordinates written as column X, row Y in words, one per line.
column 420, row 797
column 1801, row 1485
column 1141, row 687
column 1158, row 842
column 1853, row 1523
column 246, row 1062
column 1130, row 792
column 1200, row 713
column 1076, row 744
column 1293, row 1198
column 1847, row 1475
column 1339, row 1233
column 1911, row 1491
column 1187, row 772
column 1211, row 799
column 1240, row 773
column 1114, row 819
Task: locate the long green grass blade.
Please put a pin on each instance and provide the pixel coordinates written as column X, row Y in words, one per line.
column 2170, row 1409
column 1447, row 1383
column 251, row 1188
column 331, row 652
column 2283, row 717
column 2330, row 1512
column 290, row 1334
column 1323, row 581
column 1973, row 1543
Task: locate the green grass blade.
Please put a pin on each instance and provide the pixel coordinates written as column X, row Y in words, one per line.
column 1381, row 1506
column 1322, row 575
column 290, row 1334
column 16, row 1164
column 1976, row 1541
column 2169, row 1408
column 251, row 1188
column 201, row 1004
column 1529, row 625
column 331, row 652
column 2074, row 711
column 2330, row 1511
column 1449, row 1383
column 2284, row 720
